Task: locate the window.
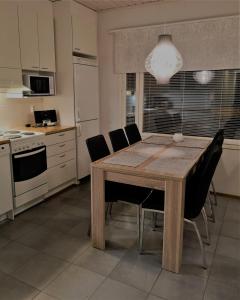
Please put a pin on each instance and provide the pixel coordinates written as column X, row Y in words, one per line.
column 193, row 106
column 130, row 98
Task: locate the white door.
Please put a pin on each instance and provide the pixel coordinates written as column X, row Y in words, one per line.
column 6, row 199
column 28, row 29
column 46, row 37
column 9, row 37
column 86, row 92
column 85, row 130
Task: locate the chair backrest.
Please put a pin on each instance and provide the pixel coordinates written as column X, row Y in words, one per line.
column 132, row 133
column 118, row 139
column 198, row 183
column 97, row 147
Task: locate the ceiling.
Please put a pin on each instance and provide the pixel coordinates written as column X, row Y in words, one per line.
column 107, row 4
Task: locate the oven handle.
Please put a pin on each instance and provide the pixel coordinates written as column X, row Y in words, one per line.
column 30, row 153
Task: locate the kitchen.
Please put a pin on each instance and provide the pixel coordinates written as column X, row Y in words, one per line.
column 64, row 78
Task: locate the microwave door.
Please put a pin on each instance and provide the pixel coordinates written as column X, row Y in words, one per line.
column 40, row 85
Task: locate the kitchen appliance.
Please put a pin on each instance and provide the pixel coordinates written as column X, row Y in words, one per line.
column 39, row 85
column 86, row 91
column 45, row 117
column 6, row 203
column 29, row 164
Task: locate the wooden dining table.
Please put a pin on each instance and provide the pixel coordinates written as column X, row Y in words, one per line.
column 157, row 163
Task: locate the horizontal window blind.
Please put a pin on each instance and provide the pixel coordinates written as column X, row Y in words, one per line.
column 130, row 98
column 190, row 105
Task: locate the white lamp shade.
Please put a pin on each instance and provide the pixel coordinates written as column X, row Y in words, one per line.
column 203, row 77
column 164, row 61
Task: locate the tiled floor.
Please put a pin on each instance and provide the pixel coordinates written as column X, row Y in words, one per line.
column 45, row 254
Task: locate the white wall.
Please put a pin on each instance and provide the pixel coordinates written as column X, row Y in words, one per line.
column 142, row 15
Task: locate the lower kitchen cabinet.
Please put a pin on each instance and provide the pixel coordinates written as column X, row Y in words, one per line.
column 61, row 160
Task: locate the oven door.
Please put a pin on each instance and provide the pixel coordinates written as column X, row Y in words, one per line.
column 29, row 169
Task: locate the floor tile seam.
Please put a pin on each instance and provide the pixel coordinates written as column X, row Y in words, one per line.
column 214, row 254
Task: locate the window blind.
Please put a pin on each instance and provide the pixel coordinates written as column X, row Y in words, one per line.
column 130, row 98
column 190, row 105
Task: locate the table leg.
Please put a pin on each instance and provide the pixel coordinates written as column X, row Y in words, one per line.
column 98, row 208
column 173, row 225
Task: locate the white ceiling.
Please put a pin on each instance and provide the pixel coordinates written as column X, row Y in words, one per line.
column 107, row 4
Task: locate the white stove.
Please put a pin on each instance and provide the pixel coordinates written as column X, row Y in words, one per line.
column 24, row 140
column 29, row 166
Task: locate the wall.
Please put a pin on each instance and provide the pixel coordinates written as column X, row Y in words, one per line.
column 143, row 15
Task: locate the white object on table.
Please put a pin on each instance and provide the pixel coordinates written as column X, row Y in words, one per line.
column 178, row 137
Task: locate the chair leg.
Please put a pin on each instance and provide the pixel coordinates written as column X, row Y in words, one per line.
column 212, row 216
column 201, row 244
column 110, row 209
column 141, row 232
column 204, row 215
column 214, row 193
column 106, row 212
column 139, row 209
column 154, row 221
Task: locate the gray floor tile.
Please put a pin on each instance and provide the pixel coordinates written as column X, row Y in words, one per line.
column 15, row 229
column 3, row 241
column 40, row 270
column 66, row 247
column 112, row 289
column 231, row 229
column 228, row 247
column 137, row 270
column 43, row 296
column 81, row 229
column 62, row 222
column 225, row 269
column 178, row 286
column 232, row 214
column 74, row 283
column 12, row 289
column 39, row 238
column 220, row 291
column 14, row 255
column 37, row 215
column 102, row 262
column 152, row 297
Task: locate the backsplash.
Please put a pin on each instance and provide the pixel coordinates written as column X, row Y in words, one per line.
column 17, row 112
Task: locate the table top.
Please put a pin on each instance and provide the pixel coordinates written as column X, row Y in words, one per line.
column 156, row 157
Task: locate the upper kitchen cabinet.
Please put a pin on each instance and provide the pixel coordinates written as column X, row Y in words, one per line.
column 36, row 35
column 9, row 36
column 84, row 23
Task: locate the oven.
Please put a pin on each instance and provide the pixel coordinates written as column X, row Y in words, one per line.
column 29, row 174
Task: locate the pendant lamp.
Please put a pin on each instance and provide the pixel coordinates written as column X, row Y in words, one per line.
column 165, row 60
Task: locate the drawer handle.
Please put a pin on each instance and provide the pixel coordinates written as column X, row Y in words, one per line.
column 60, row 146
column 77, row 49
column 34, row 67
column 61, row 156
column 63, row 166
column 44, row 68
column 61, row 134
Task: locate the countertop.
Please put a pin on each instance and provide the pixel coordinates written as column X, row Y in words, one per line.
column 48, row 130
column 4, row 141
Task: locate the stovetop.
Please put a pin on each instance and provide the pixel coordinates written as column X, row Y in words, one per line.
column 23, row 140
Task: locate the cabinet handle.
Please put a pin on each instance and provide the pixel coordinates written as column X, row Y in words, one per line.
column 60, row 146
column 61, row 134
column 61, row 156
column 63, row 166
column 77, row 49
column 44, row 68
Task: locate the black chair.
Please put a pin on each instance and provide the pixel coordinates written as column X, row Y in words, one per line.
column 132, row 133
column 118, row 139
column 114, row 191
column 197, row 187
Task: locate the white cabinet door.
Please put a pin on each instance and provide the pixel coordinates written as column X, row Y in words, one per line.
column 84, row 22
column 28, row 35
column 46, row 37
column 85, row 130
column 86, row 92
column 9, row 35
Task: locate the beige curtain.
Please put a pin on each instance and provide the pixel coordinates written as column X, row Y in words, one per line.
column 204, row 44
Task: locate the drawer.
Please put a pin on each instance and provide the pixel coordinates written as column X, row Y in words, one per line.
column 60, row 158
column 60, row 137
column 60, row 148
column 61, row 174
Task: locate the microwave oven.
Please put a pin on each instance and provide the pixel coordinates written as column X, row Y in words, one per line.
column 39, row 85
